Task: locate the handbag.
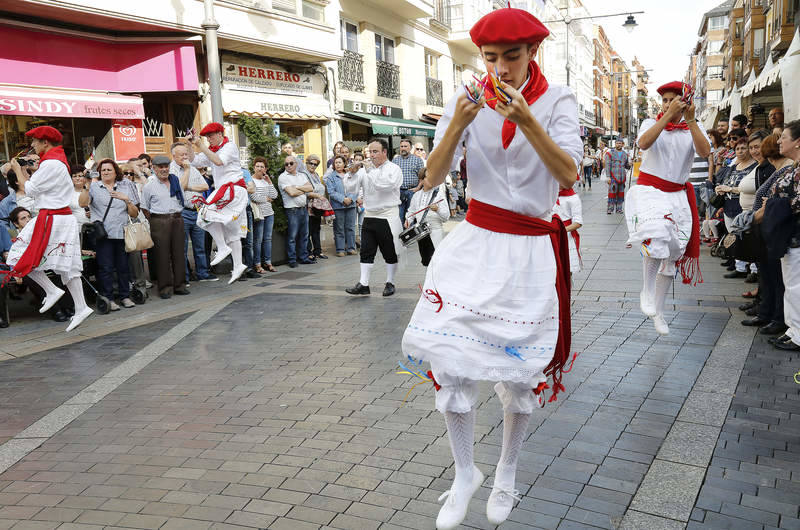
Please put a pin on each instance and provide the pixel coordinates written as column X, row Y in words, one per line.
column 98, row 228
column 137, row 236
column 418, row 230
column 257, row 215
column 717, row 200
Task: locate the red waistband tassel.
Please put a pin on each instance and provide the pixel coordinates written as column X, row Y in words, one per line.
column 504, row 221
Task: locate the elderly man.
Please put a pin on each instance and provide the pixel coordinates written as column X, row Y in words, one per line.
column 162, row 203
column 194, row 189
column 617, row 163
column 294, row 185
column 776, row 118
column 410, row 164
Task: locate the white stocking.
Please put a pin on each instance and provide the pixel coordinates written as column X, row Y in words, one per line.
column 391, row 268
column 461, row 431
column 44, row 282
column 236, row 253
column 76, row 291
column 515, row 427
column 218, row 235
column 651, row 266
column 366, row 269
column 663, row 283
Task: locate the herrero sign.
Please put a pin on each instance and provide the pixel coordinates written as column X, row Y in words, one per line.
column 266, row 80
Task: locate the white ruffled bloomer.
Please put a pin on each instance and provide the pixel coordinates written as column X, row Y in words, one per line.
column 232, row 216
column 488, row 312
column 63, row 253
column 664, row 219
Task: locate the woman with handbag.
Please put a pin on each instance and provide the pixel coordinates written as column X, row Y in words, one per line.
column 263, row 216
column 343, row 202
column 112, row 201
column 730, row 190
column 317, row 206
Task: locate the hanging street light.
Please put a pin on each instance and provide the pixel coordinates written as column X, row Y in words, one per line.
column 630, row 24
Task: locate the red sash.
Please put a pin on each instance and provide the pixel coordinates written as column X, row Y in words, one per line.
column 567, row 193
column 497, row 219
column 575, row 237
column 217, row 200
column 32, row 256
column 689, row 263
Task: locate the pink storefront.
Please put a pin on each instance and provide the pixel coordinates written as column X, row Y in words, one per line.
column 108, row 98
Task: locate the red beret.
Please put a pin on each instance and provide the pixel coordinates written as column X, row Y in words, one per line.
column 674, row 86
column 211, row 128
column 45, row 133
column 508, row 26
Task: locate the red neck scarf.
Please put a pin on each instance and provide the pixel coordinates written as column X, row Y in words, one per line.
column 504, row 221
column 537, row 85
column 672, row 126
column 567, row 193
column 215, row 148
column 689, row 263
column 55, row 153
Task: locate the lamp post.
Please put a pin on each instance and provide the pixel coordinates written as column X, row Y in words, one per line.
column 210, row 25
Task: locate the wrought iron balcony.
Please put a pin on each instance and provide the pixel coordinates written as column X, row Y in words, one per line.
column 433, row 92
column 351, row 71
column 388, row 80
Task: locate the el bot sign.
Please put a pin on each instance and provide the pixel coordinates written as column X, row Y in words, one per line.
column 128, row 138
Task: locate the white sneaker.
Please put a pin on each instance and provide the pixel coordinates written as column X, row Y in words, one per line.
column 112, row 306
column 221, row 254
column 237, row 273
column 50, row 300
column 500, row 502
column 78, row 318
column 647, row 307
column 454, row 510
column 661, row 325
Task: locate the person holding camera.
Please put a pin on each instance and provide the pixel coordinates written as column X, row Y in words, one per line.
column 435, row 201
column 52, row 241
column 112, row 202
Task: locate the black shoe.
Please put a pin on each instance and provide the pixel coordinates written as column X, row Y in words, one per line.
column 735, row 274
column 726, row 263
column 165, row 296
column 747, row 305
column 60, row 316
column 252, row 274
column 751, row 278
column 753, row 311
column 308, row 262
column 731, row 267
column 773, row 328
column 389, row 289
column 358, row 289
column 182, row 291
column 775, row 340
column 787, row 345
column 755, row 321
column 292, row 265
column 321, row 256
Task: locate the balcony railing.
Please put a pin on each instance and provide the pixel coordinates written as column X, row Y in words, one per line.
column 351, row 71
column 433, row 92
column 441, row 12
column 388, row 80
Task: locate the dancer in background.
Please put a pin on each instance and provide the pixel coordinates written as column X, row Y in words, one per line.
column 570, row 209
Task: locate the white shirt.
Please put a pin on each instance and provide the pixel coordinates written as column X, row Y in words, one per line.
column 671, row 155
column 79, row 213
column 382, row 187
column 353, row 182
column 285, row 180
column 50, row 186
column 229, row 171
column 569, row 208
column 516, row 178
column 420, row 200
column 747, row 190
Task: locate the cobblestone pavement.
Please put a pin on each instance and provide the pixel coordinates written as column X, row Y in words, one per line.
column 275, row 405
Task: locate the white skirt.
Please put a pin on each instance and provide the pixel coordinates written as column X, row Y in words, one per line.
column 232, row 215
column 575, row 263
column 659, row 222
column 489, row 308
column 63, row 252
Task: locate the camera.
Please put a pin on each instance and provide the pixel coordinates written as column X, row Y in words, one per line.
column 23, row 162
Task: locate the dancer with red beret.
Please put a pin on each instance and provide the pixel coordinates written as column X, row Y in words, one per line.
column 52, row 240
column 496, row 301
column 660, row 209
column 223, row 214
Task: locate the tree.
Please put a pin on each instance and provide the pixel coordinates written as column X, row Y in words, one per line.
column 262, row 141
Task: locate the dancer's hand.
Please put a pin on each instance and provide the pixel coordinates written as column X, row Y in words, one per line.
column 517, row 110
column 465, row 112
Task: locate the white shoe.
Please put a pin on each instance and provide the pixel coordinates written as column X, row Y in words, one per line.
column 76, row 320
column 237, row 272
column 499, row 505
column 454, row 510
column 647, row 307
column 220, row 255
column 50, row 300
column 661, row 325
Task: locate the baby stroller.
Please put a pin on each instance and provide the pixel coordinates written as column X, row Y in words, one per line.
column 101, row 303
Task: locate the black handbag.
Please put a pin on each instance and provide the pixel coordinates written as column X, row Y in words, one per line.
column 98, row 228
column 717, row 201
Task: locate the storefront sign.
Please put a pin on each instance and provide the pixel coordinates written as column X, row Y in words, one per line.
column 56, row 103
column 372, row 108
column 401, row 130
column 128, row 139
column 266, row 80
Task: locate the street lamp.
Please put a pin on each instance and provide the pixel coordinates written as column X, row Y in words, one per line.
column 630, row 24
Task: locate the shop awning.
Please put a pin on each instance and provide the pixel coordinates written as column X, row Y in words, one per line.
column 395, row 126
column 431, row 118
column 275, row 106
column 32, row 101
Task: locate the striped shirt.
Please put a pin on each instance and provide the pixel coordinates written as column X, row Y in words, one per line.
column 699, row 172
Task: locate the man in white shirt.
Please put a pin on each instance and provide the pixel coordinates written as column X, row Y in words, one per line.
column 382, row 218
column 293, row 184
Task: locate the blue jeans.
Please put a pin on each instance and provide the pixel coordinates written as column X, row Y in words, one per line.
column 247, row 247
column 262, row 240
column 297, row 234
column 198, row 236
column 405, row 202
column 344, row 229
column 111, row 258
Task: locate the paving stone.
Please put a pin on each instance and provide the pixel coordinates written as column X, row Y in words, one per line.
column 668, row 490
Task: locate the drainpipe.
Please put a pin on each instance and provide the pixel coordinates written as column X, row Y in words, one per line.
column 210, row 25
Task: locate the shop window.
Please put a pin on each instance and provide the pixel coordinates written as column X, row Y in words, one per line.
column 384, row 49
column 349, row 33
column 153, row 118
column 183, row 118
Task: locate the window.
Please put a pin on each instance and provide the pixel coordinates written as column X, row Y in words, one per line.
column 714, row 46
column 384, row 49
column 431, row 65
column 718, row 22
column 287, row 6
column 758, row 41
column 713, row 96
column 714, row 72
column 458, row 77
column 349, row 33
column 313, row 10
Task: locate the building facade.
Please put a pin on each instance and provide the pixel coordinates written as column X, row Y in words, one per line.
column 602, row 70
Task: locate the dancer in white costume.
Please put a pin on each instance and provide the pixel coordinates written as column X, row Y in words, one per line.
column 223, row 214
column 660, row 209
column 570, row 209
column 52, row 240
column 495, row 304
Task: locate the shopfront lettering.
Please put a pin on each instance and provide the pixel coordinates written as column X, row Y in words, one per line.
column 373, row 108
column 266, row 80
column 277, row 107
column 267, row 73
column 39, row 106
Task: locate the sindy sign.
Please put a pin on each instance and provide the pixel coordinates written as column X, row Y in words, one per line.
column 266, row 80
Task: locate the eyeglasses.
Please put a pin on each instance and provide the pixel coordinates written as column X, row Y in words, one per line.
column 420, row 149
column 287, row 164
column 128, row 173
column 315, row 164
